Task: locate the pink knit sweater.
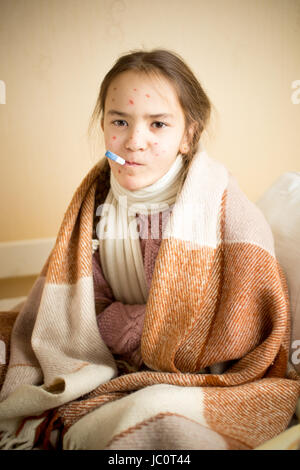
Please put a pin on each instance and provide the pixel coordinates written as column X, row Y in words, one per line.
column 121, row 325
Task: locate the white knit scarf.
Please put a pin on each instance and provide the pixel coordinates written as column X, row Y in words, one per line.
column 119, row 248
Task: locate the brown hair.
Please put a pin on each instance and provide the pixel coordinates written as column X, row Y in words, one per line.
column 160, row 62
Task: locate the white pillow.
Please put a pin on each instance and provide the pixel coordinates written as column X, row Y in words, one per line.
column 281, row 207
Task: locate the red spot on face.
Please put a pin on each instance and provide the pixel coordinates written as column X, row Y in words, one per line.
column 155, row 143
column 131, row 101
column 119, row 171
column 148, row 96
column 134, row 89
column 156, row 154
column 114, row 137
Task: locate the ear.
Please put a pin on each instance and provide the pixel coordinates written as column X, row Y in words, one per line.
column 184, row 144
column 187, row 138
column 184, row 148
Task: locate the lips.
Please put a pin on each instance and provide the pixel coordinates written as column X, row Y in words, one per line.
column 132, row 163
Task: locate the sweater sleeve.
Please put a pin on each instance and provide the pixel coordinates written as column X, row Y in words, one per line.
column 121, row 329
column 102, row 291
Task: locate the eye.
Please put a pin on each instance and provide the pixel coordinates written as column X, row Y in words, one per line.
column 119, row 123
column 160, row 124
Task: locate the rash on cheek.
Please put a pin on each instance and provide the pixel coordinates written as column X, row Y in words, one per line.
column 131, row 102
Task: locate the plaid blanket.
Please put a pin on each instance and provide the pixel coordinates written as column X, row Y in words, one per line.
column 217, row 295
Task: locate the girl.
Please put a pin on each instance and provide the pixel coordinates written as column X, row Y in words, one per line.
column 152, row 111
column 162, row 298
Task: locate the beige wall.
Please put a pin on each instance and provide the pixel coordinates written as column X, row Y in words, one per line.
column 54, row 54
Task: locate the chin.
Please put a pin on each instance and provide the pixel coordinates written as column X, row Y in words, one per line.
column 133, row 185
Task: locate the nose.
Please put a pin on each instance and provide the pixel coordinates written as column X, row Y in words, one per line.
column 136, row 140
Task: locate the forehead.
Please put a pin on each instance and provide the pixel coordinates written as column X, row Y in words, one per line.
column 153, row 89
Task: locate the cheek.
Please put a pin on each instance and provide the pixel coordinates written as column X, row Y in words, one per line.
column 159, row 150
column 113, row 141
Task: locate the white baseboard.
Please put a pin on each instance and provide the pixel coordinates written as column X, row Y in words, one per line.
column 24, row 257
column 8, row 304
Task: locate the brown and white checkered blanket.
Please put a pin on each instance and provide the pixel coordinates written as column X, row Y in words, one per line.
column 217, row 295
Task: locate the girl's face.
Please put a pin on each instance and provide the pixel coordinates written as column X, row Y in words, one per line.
column 143, row 123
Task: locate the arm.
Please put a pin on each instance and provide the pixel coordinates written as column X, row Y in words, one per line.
column 121, row 327
column 102, row 291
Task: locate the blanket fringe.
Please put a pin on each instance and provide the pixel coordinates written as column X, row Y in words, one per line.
column 9, row 441
column 48, row 432
column 23, row 438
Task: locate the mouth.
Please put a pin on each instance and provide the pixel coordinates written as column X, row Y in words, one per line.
column 132, row 163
